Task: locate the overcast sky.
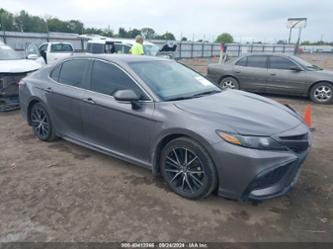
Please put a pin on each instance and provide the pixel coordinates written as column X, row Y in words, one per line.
column 246, row 20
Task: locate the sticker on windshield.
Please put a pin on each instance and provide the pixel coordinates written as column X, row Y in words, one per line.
column 203, row 81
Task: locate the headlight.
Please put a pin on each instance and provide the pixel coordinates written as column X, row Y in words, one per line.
column 255, row 142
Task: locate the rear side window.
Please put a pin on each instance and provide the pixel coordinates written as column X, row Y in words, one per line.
column 57, row 48
column 107, row 79
column 72, row 72
column 257, row 61
column 278, row 62
column 242, row 62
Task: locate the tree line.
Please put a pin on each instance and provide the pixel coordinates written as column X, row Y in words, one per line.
column 24, row 22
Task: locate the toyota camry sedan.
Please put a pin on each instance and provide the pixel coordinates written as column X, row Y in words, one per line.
column 169, row 119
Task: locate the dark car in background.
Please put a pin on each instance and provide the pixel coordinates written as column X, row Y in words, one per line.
column 274, row 73
column 164, row 116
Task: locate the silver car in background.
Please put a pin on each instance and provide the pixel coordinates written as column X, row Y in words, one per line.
column 163, row 116
column 275, row 73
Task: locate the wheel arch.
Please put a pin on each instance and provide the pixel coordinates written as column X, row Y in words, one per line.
column 228, row 75
column 174, row 134
column 315, row 83
column 32, row 102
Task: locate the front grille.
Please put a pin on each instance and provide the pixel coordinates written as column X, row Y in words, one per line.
column 270, row 178
column 296, row 137
column 297, row 143
column 9, row 83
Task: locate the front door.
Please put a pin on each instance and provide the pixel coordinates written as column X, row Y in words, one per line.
column 113, row 125
column 285, row 77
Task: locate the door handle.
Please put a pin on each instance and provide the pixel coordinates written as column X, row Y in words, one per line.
column 273, row 74
column 237, row 71
column 49, row 89
column 89, row 100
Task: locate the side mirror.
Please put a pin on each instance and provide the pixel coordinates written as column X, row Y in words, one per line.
column 128, row 96
column 32, row 57
column 296, row 69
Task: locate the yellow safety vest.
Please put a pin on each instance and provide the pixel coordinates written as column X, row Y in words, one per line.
column 137, row 49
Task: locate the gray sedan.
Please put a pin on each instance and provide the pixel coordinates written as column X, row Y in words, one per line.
column 278, row 74
column 163, row 116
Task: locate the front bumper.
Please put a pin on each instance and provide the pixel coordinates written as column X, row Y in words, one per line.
column 249, row 174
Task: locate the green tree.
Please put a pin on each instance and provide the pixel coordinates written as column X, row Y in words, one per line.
column 183, row 39
column 225, row 38
column 76, row 26
column 122, row 33
column 166, row 36
column 148, row 33
column 133, row 33
column 7, row 21
column 56, row 25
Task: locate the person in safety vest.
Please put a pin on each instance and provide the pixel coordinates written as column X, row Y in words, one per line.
column 137, row 48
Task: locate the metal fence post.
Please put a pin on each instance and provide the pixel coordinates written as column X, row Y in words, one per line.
column 202, row 50
column 192, row 45
column 180, row 50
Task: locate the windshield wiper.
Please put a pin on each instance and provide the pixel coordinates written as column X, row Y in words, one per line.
column 197, row 95
column 205, row 93
column 315, row 67
column 180, row 98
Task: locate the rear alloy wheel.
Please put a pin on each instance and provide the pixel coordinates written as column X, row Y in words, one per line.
column 41, row 123
column 188, row 169
column 229, row 83
column 321, row 93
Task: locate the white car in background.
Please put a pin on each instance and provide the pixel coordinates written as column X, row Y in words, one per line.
column 13, row 67
column 106, row 45
column 53, row 51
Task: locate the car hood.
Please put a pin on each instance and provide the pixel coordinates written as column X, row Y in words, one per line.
column 244, row 113
column 18, row 66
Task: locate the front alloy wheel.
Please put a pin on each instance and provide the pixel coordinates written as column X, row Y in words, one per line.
column 322, row 93
column 187, row 169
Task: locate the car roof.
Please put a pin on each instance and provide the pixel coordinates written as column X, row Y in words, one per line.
column 267, row 54
column 125, row 58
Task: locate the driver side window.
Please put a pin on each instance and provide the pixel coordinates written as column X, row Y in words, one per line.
column 107, row 78
column 278, row 62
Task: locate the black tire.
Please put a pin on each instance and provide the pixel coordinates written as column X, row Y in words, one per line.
column 195, row 180
column 322, row 93
column 229, row 83
column 41, row 123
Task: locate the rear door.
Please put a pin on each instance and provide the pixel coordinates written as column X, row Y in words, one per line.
column 283, row 78
column 65, row 94
column 113, row 125
column 251, row 71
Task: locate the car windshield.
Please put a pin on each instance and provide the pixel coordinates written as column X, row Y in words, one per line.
column 172, row 81
column 306, row 64
column 61, row 47
column 151, row 50
column 7, row 53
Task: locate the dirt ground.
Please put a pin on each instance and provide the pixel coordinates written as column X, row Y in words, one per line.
column 62, row 192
